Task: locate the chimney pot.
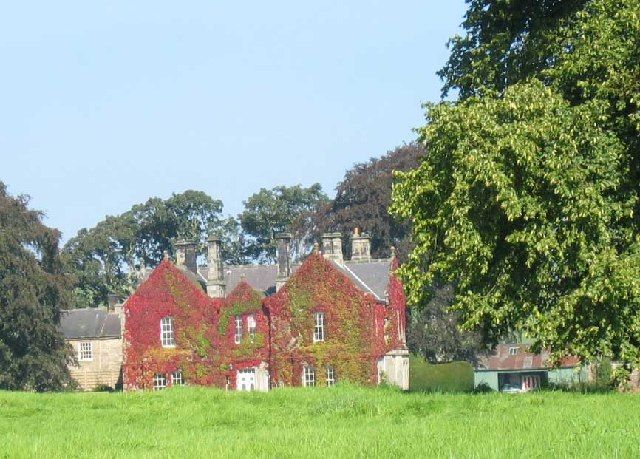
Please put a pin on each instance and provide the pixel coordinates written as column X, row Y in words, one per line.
column 283, row 254
column 215, row 269
column 186, row 255
column 332, row 246
column 360, row 246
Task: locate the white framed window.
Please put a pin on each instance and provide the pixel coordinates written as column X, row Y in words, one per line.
column 176, row 378
column 238, row 334
column 166, row 332
column 85, row 351
column 159, row 381
column 251, row 326
column 318, row 330
column 513, row 351
column 331, row 376
column 308, row 376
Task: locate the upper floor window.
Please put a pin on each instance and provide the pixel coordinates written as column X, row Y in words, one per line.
column 159, row 381
column 238, row 333
column 166, row 332
column 308, row 376
column 331, row 376
column 251, row 326
column 513, row 351
column 85, row 351
column 318, row 331
column 176, row 378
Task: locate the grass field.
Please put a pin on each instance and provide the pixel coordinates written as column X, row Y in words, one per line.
column 336, row 422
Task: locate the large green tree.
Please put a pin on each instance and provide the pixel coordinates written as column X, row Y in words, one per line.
column 528, row 198
column 281, row 209
column 104, row 258
column 33, row 289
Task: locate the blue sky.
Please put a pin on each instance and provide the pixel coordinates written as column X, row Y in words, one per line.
column 105, row 104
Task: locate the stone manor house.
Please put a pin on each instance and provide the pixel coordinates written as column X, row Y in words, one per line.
column 250, row 327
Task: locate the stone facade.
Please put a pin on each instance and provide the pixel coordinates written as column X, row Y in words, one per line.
column 105, row 366
column 95, row 335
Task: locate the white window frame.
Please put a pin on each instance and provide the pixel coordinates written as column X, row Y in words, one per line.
column 513, row 351
column 308, row 376
column 318, row 329
column 159, row 381
column 85, row 351
column 177, row 379
column 237, row 337
column 331, row 376
column 167, row 337
column 251, row 326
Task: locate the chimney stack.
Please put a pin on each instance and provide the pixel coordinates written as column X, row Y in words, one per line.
column 360, row 246
column 215, row 269
column 283, row 254
column 332, row 247
column 186, row 255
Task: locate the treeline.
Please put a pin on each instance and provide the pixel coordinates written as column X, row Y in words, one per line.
column 105, row 259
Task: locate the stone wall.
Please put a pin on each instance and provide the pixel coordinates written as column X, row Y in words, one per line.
column 104, row 369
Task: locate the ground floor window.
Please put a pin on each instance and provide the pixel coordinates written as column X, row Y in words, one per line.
column 331, row 376
column 308, row 376
column 177, row 379
column 159, row 381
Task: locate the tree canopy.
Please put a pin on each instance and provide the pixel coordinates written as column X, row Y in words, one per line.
column 363, row 198
column 528, row 198
column 33, row 289
column 104, row 258
column 280, row 209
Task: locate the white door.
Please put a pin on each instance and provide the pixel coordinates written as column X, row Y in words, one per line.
column 246, row 379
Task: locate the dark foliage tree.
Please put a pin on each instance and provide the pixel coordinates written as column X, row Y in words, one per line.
column 433, row 331
column 362, row 200
column 104, row 258
column 33, row 289
column 281, row 209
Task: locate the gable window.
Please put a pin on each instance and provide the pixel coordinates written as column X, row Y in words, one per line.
column 331, row 376
column 176, row 378
column 251, row 326
column 238, row 334
column 166, row 332
column 308, row 376
column 85, row 352
column 318, row 330
column 159, row 381
column 513, row 351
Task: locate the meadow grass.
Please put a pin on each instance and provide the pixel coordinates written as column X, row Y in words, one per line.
column 331, row 422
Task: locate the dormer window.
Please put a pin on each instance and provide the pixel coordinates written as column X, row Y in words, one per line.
column 513, row 351
column 166, row 332
column 318, row 331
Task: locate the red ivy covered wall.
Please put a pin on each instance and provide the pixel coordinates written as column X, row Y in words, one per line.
column 358, row 329
column 169, row 293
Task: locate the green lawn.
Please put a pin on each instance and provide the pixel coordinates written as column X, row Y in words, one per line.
column 341, row 421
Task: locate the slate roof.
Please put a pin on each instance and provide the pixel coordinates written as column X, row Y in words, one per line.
column 501, row 360
column 89, row 323
column 370, row 277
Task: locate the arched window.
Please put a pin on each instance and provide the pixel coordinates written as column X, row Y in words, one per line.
column 166, row 332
